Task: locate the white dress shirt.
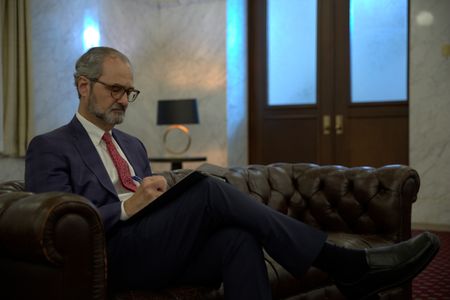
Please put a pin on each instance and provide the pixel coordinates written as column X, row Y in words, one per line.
column 95, row 134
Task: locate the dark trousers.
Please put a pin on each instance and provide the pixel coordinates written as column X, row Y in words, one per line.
column 212, row 233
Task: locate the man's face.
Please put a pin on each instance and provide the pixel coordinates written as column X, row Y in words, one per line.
column 112, row 115
column 103, row 109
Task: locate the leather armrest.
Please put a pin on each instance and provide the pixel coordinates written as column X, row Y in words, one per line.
column 53, row 244
column 48, row 226
column 174, row 176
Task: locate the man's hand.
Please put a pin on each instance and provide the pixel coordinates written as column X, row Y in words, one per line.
column 151, row 188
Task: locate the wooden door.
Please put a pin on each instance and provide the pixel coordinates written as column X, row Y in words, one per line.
column 333, row 129
column 372, row 132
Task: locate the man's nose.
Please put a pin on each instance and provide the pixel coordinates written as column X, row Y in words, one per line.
column 123, row 100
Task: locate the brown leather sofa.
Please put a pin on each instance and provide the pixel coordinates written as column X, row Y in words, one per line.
column 52, row 245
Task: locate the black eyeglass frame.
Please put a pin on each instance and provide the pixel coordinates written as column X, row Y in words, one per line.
column 118, row 94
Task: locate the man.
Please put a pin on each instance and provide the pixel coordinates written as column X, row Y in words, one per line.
column 210, row 234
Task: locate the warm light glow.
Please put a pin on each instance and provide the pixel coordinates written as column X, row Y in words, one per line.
column 208, row 75
column 424, row 18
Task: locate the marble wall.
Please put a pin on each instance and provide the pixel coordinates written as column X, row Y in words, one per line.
column 430, row 109
column 178, row 49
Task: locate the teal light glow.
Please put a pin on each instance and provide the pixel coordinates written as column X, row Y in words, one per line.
column 91, row 34
column 379, row 50
column 292, row 52
column 236, row 42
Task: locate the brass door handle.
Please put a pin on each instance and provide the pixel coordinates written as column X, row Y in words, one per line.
column 326, row 123
column 339, row 124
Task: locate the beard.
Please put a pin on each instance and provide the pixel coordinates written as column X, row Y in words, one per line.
column 114, row 115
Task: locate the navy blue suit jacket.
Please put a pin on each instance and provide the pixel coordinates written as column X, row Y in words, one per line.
column 66, row 160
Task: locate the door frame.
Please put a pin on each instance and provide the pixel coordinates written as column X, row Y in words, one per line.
column 257, row 80
column 333, row 85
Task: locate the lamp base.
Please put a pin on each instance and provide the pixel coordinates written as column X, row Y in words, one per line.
column 171, row 132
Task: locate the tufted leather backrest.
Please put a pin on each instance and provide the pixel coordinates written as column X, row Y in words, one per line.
column 335, row 198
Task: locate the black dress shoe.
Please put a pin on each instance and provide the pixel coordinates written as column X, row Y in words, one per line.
column 392, row 266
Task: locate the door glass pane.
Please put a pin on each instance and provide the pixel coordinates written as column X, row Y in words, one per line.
column 378, row 47
column 291, row 47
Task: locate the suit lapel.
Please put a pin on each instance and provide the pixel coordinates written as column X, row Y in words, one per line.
column 90, row 155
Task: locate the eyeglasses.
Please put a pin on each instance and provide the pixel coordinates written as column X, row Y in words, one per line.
column 117, row 91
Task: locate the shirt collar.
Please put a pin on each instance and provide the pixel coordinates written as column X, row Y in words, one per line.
column 94, row 132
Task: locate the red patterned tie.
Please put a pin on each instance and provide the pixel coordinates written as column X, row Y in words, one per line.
column 120, row 163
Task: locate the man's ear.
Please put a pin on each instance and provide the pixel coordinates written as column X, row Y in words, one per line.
column 83, row 86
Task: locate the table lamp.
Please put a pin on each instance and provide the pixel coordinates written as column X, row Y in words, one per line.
column 177, row 113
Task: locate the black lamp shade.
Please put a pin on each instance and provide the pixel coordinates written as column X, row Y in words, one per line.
column 180, row 111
